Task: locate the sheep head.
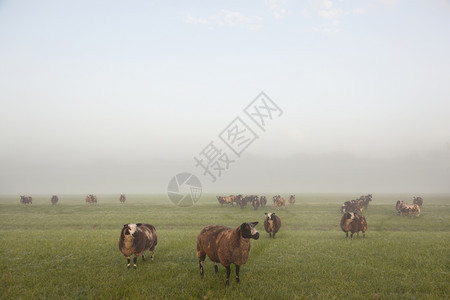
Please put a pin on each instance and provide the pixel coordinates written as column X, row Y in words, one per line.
column 249, row 231
column 130, row 229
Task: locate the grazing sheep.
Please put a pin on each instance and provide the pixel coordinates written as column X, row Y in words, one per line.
column 122, row 198
column 272, row 224
column 404, row 208
column 136, row 239
column 226, row 245
column 26, row 200
column 353, row 222
column 355, row 206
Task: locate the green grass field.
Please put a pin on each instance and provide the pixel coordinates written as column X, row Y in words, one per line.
column 70, row 251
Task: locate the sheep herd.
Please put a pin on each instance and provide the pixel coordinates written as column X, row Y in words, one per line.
column 254, row 200
column 228, row 246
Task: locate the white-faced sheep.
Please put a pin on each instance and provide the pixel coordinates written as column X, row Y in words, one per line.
column 272, row 224
column 136, row 239
column 226, row 245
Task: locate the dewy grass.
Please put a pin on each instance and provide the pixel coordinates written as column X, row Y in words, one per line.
column 70, row 251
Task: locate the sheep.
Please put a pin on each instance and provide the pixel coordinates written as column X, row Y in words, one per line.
column 54, row 199
column 404, row 208
column 255, row 202
column 353, row 222
column 272, row 224
column 136, row 239
column 418, row 201
column 263, row 201
column 226, row 245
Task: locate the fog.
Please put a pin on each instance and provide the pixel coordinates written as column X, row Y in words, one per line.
column 120, row 98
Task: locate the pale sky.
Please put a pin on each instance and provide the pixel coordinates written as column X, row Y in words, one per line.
column 119, row 96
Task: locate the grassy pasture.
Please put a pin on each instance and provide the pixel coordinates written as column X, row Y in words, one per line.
column 69, row 251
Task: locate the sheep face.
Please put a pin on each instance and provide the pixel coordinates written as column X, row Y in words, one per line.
column 249, row 231
column 130, row 229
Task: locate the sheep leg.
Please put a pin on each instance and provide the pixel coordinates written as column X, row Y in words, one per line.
column 274, row 235
column 152, row 254
column 216, row 268
column 143, row 257
column 228, row 276
column 237, row 274
column 128, row 262
column 270, row 235
column 200, row 263
column 135, row 261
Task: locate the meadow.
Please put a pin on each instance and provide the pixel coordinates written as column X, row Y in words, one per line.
column 70, row 250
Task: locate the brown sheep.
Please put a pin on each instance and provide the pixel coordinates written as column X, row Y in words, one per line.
column 54, row 199
column 263, row 201
column 353, row 222
column 292, row 199
column 226, row 245
column 272, row 224
column 404, row 208
column 136, row 239
column 418, row 201
column 279, row 201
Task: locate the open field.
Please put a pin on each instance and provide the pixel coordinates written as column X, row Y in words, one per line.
column 69, row 251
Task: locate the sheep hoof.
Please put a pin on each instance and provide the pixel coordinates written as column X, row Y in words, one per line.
column 135, row 267
column 227, row 283
column 128, row 266
column 216, row 269
column 238, row 280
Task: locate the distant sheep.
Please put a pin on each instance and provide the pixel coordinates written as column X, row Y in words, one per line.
column 91, row 199
column 279, row 201
column 54, row 199
column 292, row 199
column 404, row 208
column 226, row 245
column 353, row 222
column 26, row 200
column 263, row 201
column 122, row 198
column 272, row 224
column 418, row 201
column 136, row 239
column 255, row 202
column 355, row 206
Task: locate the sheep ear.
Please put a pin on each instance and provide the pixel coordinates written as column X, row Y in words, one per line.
column 138, row 224
column 254, row 223
column 265, row 214
column 125, row 225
